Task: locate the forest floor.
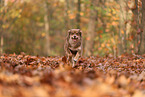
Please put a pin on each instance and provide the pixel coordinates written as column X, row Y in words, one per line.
column 34, row 76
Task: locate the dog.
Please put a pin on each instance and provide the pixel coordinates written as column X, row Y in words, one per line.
column 73, row 45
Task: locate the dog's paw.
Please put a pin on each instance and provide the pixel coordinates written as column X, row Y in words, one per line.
column 75, row 60
column 73, row 65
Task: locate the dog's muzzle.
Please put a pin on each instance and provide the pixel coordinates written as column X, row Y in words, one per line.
column 74, row 37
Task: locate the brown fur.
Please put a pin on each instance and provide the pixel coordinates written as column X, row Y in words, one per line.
column 73, row 45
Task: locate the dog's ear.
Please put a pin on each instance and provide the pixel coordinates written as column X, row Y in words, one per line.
column 80, row 31
column 68, row 35
column 69, row 31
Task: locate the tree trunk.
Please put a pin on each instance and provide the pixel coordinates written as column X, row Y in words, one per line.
column 78, row 14
column 122, row 45
column 143, row 26
column 2, row 4
column 91, row 30
column 135, row 25
column 2, row 43
column 46, row 21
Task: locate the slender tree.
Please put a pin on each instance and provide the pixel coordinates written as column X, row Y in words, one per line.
column 46, row 21
column 91, row 28
column 2, row 4
column 78, row 13
column 135, row 24
column 124, row 27
column 142, row 51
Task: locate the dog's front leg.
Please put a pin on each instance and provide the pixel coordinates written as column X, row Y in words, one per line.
column 76, row 57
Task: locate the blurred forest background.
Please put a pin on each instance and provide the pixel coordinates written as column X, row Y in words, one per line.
column 39, row 27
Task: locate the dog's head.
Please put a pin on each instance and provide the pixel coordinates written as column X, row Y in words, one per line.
column 74, row 35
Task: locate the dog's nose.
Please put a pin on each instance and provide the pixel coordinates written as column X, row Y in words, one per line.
column 74, row 36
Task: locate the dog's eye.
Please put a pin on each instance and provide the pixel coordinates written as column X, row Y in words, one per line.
column 77, row 33
column 72, row 33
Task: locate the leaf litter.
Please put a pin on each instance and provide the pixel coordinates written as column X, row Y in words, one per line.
column 28, row 76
